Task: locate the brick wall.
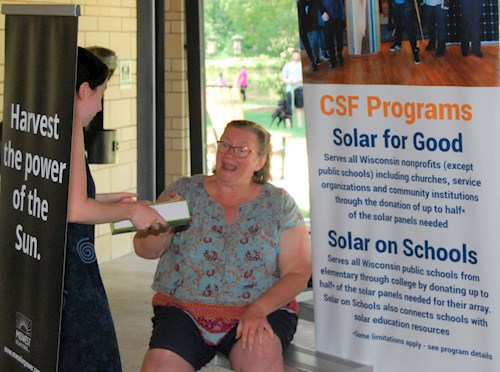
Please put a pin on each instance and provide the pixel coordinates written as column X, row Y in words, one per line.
column 113, row 24
column 176, row 95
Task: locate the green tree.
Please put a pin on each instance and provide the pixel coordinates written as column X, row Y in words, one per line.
column 218, row 22
column 267, row 27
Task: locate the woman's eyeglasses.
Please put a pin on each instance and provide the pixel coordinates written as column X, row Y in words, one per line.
column 241, row 152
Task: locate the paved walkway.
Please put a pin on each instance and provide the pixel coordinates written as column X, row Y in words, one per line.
column 296, row 180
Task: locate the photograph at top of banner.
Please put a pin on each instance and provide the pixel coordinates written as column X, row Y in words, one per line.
column 400, row 42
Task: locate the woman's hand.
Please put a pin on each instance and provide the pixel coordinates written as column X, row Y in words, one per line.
column 253, row 327
column 143, row 217
column 151, row 244
column 146, row 218
column 142, row 220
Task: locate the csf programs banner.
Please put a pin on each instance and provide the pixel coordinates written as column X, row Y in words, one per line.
column 404, row 215
column 405, row 211
column 40, row 60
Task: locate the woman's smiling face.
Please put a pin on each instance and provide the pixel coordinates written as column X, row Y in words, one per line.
column 231, row 168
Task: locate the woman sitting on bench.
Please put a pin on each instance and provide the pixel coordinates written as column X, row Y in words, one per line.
column 227, row 281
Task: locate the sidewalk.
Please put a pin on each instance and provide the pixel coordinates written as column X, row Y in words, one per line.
column 296, row 180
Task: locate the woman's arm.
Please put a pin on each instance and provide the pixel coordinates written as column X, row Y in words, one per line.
column 112, row 197
column 152, row 244
column 294, row 261
column 82, row 209
column 295, row 266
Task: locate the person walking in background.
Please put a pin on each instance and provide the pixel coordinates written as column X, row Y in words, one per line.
column 291, row 75
column 471, row 27
column 334, row 30
column 435, row 15
column 88, row 340
column 403, row 21
column 220, row 81
column 242, row 82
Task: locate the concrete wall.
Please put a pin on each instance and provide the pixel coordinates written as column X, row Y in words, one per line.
column 113, row 24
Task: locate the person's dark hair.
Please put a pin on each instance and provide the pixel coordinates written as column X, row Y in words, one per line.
column 90, row 69
column 263, row 175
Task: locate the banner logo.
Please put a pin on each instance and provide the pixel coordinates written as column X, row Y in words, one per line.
column 24, row 327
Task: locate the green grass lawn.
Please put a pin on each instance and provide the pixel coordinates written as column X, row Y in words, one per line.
column 263, row 117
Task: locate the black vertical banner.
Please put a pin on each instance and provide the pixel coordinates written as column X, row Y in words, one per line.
column 40, row 64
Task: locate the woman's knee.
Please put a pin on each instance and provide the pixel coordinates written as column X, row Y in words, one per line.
column 164, row 360
column 268, row 356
